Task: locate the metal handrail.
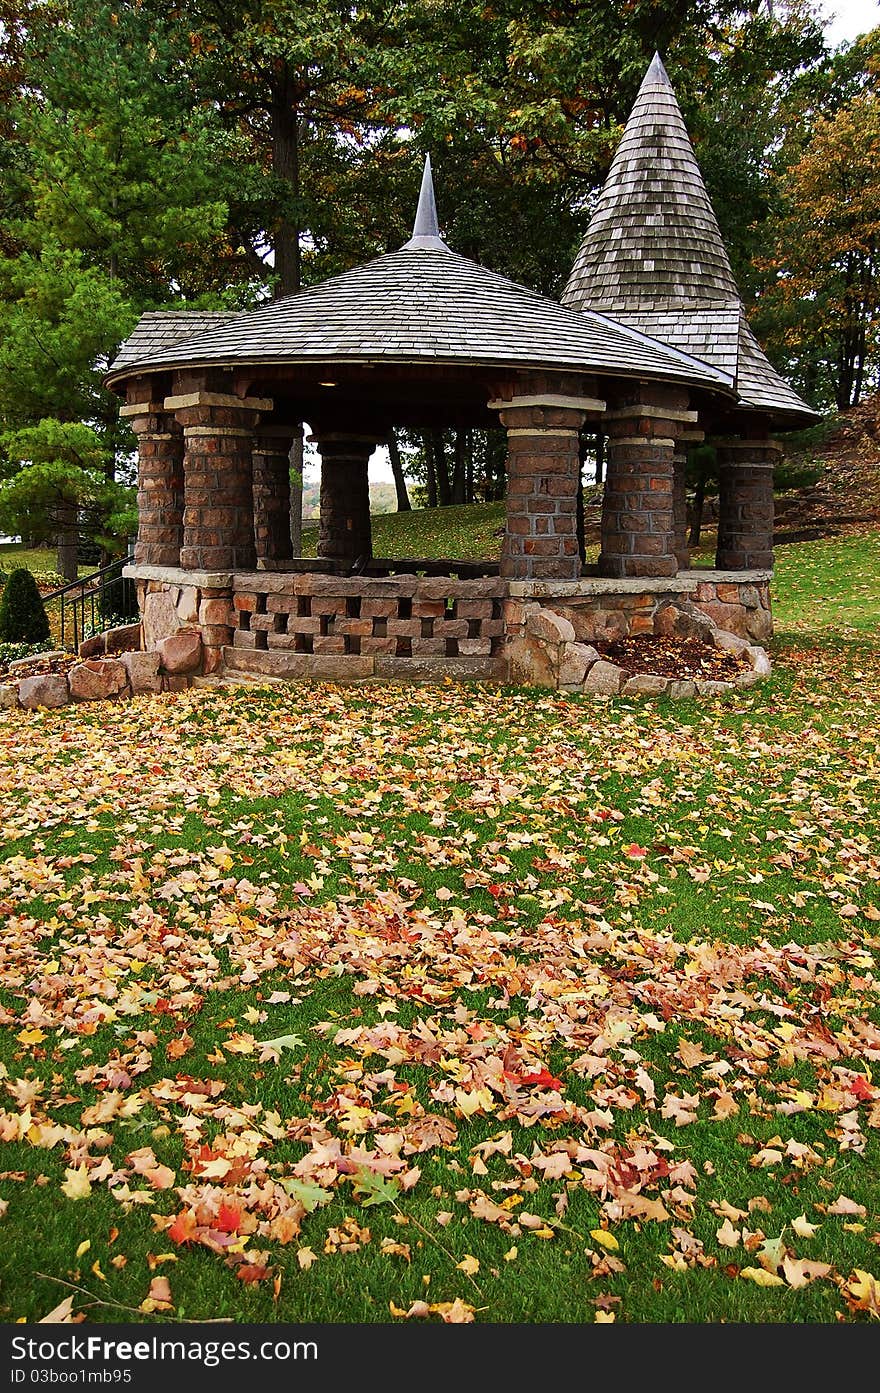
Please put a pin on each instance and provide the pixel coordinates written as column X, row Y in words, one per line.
column 90, row 590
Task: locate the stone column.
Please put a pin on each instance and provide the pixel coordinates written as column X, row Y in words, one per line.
column 345, row 532
column 638, row 513
column 218, row 516
column 745, row 504
column 160, row 483
column 271, row 456
column 683, row 442
column 543, row 468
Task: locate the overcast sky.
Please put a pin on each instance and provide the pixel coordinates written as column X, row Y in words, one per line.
column 849, row 18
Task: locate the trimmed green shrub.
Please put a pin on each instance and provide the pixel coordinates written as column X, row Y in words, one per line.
column 23, row 617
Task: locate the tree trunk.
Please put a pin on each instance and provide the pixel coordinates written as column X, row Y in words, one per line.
column 68, row 537
column 284, row 128
column 296, row 494
column 600, row 457
column 441, row 469
column 430, row 472
column 403, row 503
column 469, row 476
column 459, row 467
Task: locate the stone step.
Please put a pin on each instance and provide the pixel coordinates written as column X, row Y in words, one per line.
column 265, row 664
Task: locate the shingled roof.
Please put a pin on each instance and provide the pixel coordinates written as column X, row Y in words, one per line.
column 421, row 303
column 156, row 329
column 653, row 256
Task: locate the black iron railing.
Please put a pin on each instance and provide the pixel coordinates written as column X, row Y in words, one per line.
column 91, row 604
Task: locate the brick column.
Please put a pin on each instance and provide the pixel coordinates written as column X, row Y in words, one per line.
column 683, row 442
column 345, row 532
column 160, row 483
column 745, row 504
column 218, row 516
column 638, row 513
column 543, row 468
column 271, row 456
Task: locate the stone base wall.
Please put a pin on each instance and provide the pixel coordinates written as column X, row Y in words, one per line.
column 406, row 627
column 617, row 608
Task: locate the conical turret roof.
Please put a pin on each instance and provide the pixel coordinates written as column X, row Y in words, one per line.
column 653, row 256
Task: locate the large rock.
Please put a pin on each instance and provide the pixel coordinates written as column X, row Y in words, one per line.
column 180, row 652
column 160, row 618
column 759, row 661
column 8, row 695
column 681, row 688
column 187, row 605
column 49, row 689
column 712, row 688
column 684, row 620
column 604, row 679
column 645, row 684
column 759, row 625
column 530, row 663
column 549, row 627
column 143, row 671
column 18, row 663
column 96, row 679
column 576, row 659
column 124, row 639
column 729, row 643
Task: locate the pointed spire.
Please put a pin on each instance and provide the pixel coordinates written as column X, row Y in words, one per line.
column 653, row 240
column 426, row 228
column 656, row 76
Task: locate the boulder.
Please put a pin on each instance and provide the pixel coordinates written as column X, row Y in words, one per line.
column 187, row 605
column 160, row 618
column 729, row 643
column 747, row 679
column 49, row 689
column 759, row 625
column 645, row 684
column 681, row 688
column 576, row 659
column 707, row 688
column 549, row 627
column 18, row 663
column 143, row 671
column 96, row 679
column 759, row 661
column 604, row 679
column 530, row 664
column 181, row 652
column 8, row 695
column 126, row 638
column 692, row 623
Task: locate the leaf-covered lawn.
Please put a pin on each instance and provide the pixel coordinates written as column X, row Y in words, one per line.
column 341, row 1004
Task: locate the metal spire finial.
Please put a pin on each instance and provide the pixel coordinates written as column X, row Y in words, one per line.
column 426, row 228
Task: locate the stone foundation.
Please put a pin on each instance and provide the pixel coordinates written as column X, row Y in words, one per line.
column 306, row 624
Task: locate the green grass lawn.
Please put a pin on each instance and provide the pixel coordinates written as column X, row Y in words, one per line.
column 332, row 1004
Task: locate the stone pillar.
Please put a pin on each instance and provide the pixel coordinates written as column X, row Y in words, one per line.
column 271, row 456
column 218, row 516
column 638, row 513
column 345, row 532
column 683, row 442
column 543, row 468
column 745, row 504
column 160, row 483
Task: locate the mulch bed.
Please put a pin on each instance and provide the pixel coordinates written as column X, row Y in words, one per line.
column 37, row 667
column 671, row 657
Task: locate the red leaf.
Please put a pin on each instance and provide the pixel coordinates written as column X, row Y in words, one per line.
column 229, row 1219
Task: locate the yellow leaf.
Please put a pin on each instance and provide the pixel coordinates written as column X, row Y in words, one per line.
column 604, row 1318
column 84, row 1247
column 468, row 1264
column 305, row 1257
column 511, row 1254
column 76, row 1185
column 802, row 1227
column 761, row 1277
column 605, row 1240
column 31, row 1037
